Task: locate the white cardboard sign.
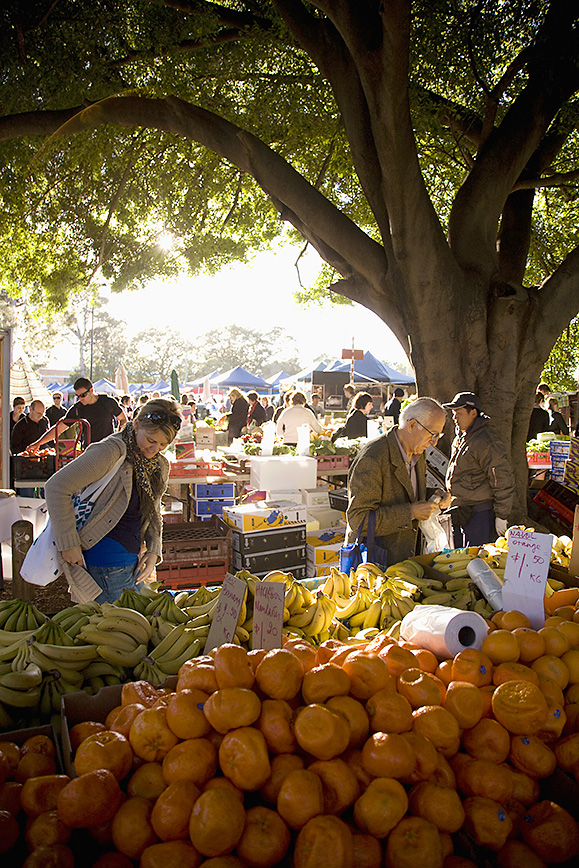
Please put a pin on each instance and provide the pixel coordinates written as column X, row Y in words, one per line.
column 574, row 560
column 526, row 574
column 268, row 606
column 226, row 612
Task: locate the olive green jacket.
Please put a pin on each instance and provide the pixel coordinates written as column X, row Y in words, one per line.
column 379, row 480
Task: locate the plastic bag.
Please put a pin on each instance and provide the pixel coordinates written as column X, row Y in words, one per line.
column 433, row 533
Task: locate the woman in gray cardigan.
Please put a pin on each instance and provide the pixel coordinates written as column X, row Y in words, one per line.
column 120, row 543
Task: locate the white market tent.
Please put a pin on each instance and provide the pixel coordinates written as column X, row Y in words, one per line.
column 25, row 383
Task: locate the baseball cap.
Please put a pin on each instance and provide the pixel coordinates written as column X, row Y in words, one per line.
column 465, row 399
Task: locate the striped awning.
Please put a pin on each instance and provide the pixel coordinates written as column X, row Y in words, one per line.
column 25, row 383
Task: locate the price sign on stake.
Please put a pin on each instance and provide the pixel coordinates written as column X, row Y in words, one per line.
column 226, row 613
column 526, row 574
column 268, row 615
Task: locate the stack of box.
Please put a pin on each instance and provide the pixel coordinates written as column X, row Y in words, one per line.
column 209, row 498
column 323, row 550
column 571, row 471
column 320, row 512
column 436, row 467
column 268, row 536
column 559, row 453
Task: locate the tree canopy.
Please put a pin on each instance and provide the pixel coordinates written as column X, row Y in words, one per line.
column 426, row 149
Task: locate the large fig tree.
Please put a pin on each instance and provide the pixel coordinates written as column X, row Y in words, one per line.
column 427, row 150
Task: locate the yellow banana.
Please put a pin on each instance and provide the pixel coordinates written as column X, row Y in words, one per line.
column 125, row 659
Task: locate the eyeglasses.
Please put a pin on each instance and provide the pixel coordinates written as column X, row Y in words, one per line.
column 160, row 417
column 82, row 394
column 434, row 435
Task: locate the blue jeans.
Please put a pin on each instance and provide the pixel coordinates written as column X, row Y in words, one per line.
column 113, row 581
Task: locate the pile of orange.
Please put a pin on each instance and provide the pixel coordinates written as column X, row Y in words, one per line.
column 354, row 757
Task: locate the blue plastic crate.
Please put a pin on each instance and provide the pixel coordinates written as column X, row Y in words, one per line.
column 212, row 506
column 206, row 490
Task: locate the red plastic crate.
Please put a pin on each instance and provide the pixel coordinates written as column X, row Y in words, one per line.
column 196, row 468
column 333, row 462
column 559, row 500
column 190, row 574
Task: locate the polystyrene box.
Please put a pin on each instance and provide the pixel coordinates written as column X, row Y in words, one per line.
column 280, row 472
column 319, row 496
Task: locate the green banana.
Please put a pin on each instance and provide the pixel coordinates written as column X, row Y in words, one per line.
column 443, row 598
column 19, row 698
column 126, row 659
column 24, row 679
column 75, row 657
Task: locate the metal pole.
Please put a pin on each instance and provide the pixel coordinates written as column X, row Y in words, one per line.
column 91, row 339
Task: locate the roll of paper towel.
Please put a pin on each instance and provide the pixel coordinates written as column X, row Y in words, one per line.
column 443, row 630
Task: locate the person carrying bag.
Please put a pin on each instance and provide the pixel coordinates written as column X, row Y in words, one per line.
column 363, row 550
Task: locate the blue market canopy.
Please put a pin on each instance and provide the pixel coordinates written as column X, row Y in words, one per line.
column 104, row 386
column 277, row 378
column 212, row 377
column 240, row 378
column 370, row 369
column 163, row 387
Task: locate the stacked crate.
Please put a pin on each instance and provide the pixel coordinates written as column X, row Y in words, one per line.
column 208, row 499
column 194, row 553
column 277, row 548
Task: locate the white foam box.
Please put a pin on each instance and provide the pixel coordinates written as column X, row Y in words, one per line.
column 263, row 514
column 326, row 516
column 280, row 472
column 325, row 536
column 324, row 554
column 319, row 496
column 33, row 509
column 437, row 460
column 293, row 494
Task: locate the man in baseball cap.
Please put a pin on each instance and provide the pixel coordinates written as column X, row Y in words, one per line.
column 479, row 475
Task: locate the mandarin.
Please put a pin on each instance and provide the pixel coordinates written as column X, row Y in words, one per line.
column 11, row 751
column 147, row 781
column 519, row 706
column 327, row 649
column 216, row 823
column 556, row 642
column 440, row 805
column 501, row 646
column 321, row 731
column 46, row 829
column 199, row 674
column 170, row 854
column 233, row 667
column 414, row 843
column 104, row 750
column 487, row 822
column 50, row 856
column 488, row 740
column 265, row 839
column 305, row 652
column 515, row 672
column 551, row 666
column 472, row 665
column 194, row 759
column 356, row 716
column 150, row 736
column 33, row 764
column 465, row 702
column 571, row 660
column 10, row 797
column 485, row 778
column 567, row 752
column 367, row 851
column 89, row 799
column 172, row 810
column 570, row 629
column 324, row 840
column 276, row 724
column 532, row 756
column 140, row 692
column 112, row 859
column 41, row 744
column 300, row 797
column 339, row 783
column 420, row 688
column 368, row 673
column 425, row 755
column 40, row 794
column 184, row 713
column 443, row 774
column 380, row 807
column 551, row 832
column 516, row 854
column 397, row 659
column 244, row 759
column 388, row 755
column 9, row 831
column 444, row 671
column 531, row 644
column 427, row 661
column 281, row 766
column 80, row 731
column 279, row 674
column 439, row 726
column 525, row 788
column 230, row 707
column 322, row 682
column 388, row 711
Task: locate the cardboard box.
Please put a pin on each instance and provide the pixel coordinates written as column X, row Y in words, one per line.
column 269, row 539
column 19, row 736
column 264, row 514
column 281, row 472
column 206, row 437
column 213, row 489
column 326, row 536
column 437, row 460
column 324, row 554
column 211, row 506
column 317, row 497
column 319, row 571
column 184, row 450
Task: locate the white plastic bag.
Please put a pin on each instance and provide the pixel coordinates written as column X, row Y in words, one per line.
column 433, row 533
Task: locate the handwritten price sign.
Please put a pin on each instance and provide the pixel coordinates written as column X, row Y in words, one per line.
column 526, row 574
column 268, row 615
column 227, row 612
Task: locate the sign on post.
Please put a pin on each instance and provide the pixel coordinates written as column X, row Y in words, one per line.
column 268, row 615
column 574, row 559
column 526, row 574
column 226, row 613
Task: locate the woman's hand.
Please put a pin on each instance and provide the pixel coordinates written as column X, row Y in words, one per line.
column 145, row 566
column 73, row 556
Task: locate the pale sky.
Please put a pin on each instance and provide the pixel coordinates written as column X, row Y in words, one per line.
column 257, row 296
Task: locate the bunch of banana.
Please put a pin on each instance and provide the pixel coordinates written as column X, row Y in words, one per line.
column 369, row 573
column 358, row 605
column 198, row 597
column 200, row 616
column 131, row 599
column 74, row 618
column 337, row 587
column 408, row 569
column 54, row 687
column 19, row 615
column 163, row 606
column 455, row 561
column 278, row 576
column 100, row 673
column 314, row 621
column 394, row 604
column 167, row 658
column 159, row 629
column 20, row 689
column 23, row 651
column 121, row 635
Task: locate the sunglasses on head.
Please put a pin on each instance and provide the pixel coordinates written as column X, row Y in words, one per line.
column 161, row 417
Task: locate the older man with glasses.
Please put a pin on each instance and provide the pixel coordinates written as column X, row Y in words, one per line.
column 479, row 475
column 98, row 410
column 388, row 476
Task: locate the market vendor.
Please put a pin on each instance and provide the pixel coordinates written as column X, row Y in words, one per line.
column 295, row 415
column 479, row 475
column 389, row 476
column 356, row 424
column 237, row 418
column 29, row 428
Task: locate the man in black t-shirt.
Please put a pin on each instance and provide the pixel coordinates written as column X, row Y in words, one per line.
column 98, row 410
column 28, row 428
column 56, row 411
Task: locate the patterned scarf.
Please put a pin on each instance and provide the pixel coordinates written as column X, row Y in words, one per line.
column 146, row 473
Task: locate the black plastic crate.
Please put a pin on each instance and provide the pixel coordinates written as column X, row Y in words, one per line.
column 268, row 540
column 259, row 562
column 339, row 499
column 33, row 466
column 196, row 541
